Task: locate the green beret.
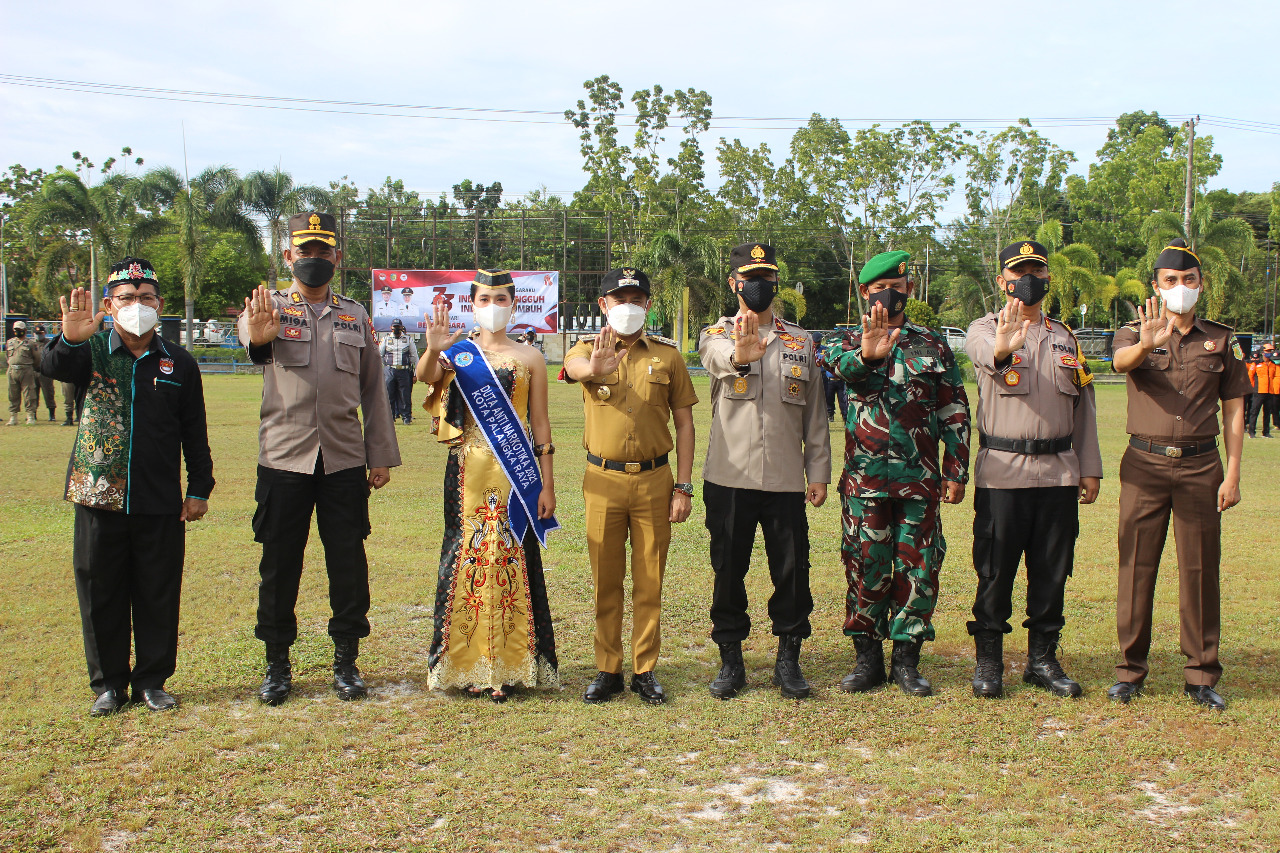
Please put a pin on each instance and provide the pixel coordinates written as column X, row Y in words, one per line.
column 884, row 265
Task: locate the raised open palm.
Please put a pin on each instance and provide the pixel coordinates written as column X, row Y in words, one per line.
column 1011, row 329
column 79, row 320
column 1153, row 330
column 438, row 335
column 604, row 358
column 748, row 344
column 877, row 338
column 263, row 318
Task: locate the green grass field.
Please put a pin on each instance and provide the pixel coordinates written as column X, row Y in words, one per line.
column 412, row 770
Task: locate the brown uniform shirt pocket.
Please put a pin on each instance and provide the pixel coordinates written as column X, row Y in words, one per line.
column 1012, row 383
column 795, row 382
column 1064, row 378
column 604, row 390
column 744, row 387
column 657, row 388
column 293, row 347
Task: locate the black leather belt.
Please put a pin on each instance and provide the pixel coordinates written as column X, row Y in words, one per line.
column 628, row 467
column 1171, row 451
column 1028, row 446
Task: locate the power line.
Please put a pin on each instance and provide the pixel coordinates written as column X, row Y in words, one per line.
column 526, row 116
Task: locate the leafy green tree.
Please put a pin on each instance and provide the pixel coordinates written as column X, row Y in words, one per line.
column 677, row 266
column 18, row 188
column 72, row 224
column 1140, row 168
column 274, row 197
column 193, row 210
column 921, row 314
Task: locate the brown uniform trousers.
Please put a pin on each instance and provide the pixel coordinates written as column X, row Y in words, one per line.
column 1173, row 398
column 626, row 419
column 22, row 356
column 1151, row 488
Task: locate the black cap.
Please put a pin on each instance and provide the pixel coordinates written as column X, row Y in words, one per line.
column 752, row 256
column 397, row 322
column 407, row 291
column 493, row 278
column 1023, row 250
column 135, row 271
column 386, row 288
column 624, row 277
column 39, row 328
column 305, row 227
column 1176, row 256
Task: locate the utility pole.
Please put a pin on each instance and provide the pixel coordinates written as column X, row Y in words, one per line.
column 1191, row 151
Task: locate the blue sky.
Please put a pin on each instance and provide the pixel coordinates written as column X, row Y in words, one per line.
column 937, row 61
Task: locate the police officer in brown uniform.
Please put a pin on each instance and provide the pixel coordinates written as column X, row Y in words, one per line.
column 633, row 383
column 44, row 383
column 769, row 453
column 321, row 372
column 22, row 359
column 1179, row 366
column 1038, row 459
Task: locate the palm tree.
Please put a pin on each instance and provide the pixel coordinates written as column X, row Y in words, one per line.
column 1218, row 242
column 196, row 207
column 1074, row 269
column 274, row 197
column 67, row 213
column 1123, row 287
column 679, row 265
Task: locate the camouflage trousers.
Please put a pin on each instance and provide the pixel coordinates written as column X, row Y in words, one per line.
column 893, row 551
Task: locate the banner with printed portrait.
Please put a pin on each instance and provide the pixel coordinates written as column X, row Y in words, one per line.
column 409, row 295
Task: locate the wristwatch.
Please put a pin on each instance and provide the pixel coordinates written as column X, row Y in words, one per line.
column 686, row 488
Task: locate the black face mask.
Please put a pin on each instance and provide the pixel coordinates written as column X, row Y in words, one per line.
column 1029, row 289
column 893, row 301
column 758, row 293
column 313, row 272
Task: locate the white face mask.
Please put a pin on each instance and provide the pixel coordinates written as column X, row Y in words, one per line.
column 1180, row 299
column 493, row 318
column 137, row 319
column 626, row 318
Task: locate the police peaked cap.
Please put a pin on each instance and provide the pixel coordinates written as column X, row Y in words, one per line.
column 1176, row 256
column 884, row 265
column 313, row 225
column 1023, row 250
column 752, row 256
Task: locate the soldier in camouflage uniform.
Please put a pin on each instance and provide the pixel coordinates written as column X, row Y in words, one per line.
column 906, row 394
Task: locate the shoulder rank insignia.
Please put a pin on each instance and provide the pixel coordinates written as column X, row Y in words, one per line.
column 716, row 330
column 295, row 297
column 334, row 299
column 1012, row 378
column 663, row 340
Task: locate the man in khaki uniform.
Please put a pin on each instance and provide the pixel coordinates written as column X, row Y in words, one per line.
column 22, row 359
column 769, row 454
column 1038, row 459
column 44, row 383
column 321, row 371
column 1179, row 367
column 632, row 384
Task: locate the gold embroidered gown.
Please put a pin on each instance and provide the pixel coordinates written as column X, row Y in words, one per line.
column 492, row 621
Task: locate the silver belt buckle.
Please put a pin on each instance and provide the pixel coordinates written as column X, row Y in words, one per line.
column 632, row 467
column 1173, row 452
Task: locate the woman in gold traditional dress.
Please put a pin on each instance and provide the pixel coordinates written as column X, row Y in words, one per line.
column 492, row 623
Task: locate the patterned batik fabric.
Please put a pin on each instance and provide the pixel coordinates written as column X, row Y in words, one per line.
column 100, row 458
column 893, row 552
column 899, row 410
column 492, row 619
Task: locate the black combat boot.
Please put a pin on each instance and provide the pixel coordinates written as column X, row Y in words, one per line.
column 988, row 674
column 733, row 674
column 347, row 682
column 1043, row 669
column 903, row 666
column 279, row 680
column 786, row 671
column 869, row 671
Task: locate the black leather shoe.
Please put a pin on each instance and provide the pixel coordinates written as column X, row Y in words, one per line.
column 109, row 703
column 869, row 671
column 1043, row 669
column 787, row 674
column 1203, row 694
column 155, row 698
column 278, row 682
column 733, row 674
column 347, row 682
column 904, row 665
column 1123, row 691
column 605, row 687
column 988, row 670
column 646, row 686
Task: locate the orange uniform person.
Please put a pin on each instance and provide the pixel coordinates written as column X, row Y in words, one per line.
column 1264, row 376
